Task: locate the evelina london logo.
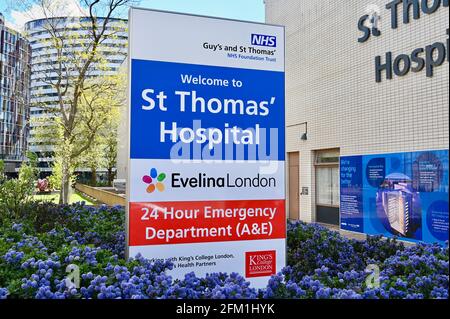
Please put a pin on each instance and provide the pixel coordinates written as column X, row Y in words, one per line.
column 154, row 181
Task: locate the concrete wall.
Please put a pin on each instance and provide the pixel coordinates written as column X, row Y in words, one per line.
column 102, row 195
column 330, row 83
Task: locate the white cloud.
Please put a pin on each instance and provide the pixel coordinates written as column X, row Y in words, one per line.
column 51, row 8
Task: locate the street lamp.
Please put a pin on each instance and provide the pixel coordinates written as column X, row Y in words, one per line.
column 304, row 136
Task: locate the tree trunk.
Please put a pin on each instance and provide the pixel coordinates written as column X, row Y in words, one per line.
column 93, row 177
column 110, row 176
column 65, row 185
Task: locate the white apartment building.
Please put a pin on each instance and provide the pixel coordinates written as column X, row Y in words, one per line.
column 75, row 30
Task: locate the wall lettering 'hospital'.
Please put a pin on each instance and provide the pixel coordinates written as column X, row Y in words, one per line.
column 416, row 7
column 428, row 57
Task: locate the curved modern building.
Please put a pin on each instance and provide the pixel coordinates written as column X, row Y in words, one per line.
column 76, row 34
column 15, row 58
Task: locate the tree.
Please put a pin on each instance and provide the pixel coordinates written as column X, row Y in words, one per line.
column 94, row 159
column 17, row 192
column 111, row 156
column 117, row 100
column 75, row 114
column 103, row 152
column 106, row 103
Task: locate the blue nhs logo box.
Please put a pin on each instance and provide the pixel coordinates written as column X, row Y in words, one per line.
column 264, row 40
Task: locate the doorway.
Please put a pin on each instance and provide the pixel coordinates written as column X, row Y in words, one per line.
column 294, row 182
column 327, row 187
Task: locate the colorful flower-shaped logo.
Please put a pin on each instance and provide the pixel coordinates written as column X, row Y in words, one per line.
column 154, row 181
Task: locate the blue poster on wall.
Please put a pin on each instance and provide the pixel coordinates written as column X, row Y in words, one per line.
column 403, row 195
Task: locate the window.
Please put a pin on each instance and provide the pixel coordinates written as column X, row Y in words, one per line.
column 327, row 178
column 327, row 181
column 327, row 157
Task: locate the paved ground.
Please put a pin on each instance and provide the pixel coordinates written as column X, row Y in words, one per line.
column 344, row 233
column 356, row 236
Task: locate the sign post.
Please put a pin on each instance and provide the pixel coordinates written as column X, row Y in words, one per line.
column 206, row 184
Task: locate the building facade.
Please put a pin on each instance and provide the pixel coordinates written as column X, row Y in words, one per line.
column 363, row 77
column 15, row 58
column 44, row 96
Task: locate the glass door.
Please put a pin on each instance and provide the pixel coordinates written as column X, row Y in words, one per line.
column 327, row 187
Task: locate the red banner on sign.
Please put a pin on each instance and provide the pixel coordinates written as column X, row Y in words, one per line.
column 200, row 222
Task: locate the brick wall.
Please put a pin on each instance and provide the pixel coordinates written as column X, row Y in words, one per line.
column 330, row 83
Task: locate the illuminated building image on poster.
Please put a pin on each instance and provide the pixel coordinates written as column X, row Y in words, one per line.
column 403, row 195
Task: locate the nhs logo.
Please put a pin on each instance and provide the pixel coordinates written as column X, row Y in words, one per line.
column 264, row 40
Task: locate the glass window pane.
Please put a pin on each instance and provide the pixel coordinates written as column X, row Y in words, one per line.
column 323, row 186
column 327, row 157
column 335, row 186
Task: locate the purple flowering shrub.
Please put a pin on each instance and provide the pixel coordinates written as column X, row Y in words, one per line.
column 34, row 256
column 417, row 272
column 100, row 226
column 323, row 265
column 36, row 250
column 213, row 286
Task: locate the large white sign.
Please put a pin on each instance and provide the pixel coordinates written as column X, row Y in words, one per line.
column 206, row 184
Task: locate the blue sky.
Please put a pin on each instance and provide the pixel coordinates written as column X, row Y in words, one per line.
column 251, row 10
